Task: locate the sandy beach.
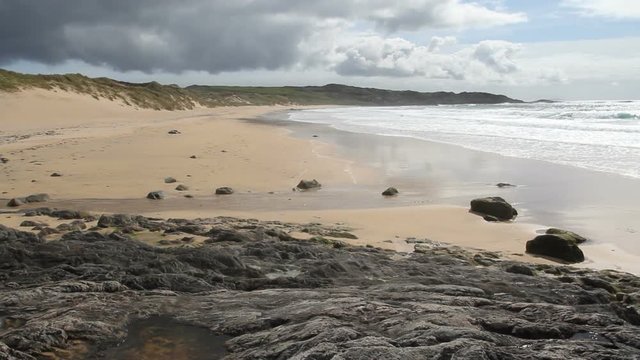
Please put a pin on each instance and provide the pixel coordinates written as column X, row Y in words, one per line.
column 111, row 155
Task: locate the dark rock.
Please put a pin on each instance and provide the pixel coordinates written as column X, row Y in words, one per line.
column 555, row 246
column 502, row 185
column 29, row 199
column 36, row 198
column 520, row 269
column 491, row 218
column 569, row 235
column 598, row 283
column 193, row 229
column 4, row 160
column 169, row 180
column 55, row 174
column 15, row 202
column 72, row 226
column 628, row 314
column 118, row 220
column 308, row 184
column 390, row 192
column 192, row 157
column 225, row 190
column 155, row 195
column 47, row 231
column 71, row 214
column 174, row 132
column 29, row 223
column 495, row 207
column 218, row 235
column 182, row 187
column 189, row 196
column 43, row 211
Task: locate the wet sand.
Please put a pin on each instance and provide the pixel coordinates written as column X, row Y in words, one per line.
column 603, row 207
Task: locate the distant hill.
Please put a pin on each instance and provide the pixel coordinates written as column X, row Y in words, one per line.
column 172, row 97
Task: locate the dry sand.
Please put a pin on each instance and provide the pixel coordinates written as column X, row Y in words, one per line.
column 106, row 150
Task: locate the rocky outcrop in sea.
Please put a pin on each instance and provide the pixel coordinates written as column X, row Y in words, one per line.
column 252, row 290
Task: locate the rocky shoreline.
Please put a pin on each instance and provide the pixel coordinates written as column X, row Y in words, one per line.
column 259, row 291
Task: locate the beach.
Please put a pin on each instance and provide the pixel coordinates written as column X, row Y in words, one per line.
column 110, row 156
column 100, row 271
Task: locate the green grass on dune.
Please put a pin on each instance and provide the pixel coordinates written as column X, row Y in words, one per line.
column 146, row 95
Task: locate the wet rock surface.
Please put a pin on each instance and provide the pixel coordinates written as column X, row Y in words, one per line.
column 267, row 295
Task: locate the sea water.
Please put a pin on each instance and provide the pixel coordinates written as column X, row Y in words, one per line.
column 596, row 135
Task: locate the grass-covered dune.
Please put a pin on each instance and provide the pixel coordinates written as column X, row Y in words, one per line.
column 153, row 95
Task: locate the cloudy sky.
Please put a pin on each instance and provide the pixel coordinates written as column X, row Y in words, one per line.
column 566, row 49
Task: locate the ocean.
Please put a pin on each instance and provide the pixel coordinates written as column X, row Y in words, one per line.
column 595, row 135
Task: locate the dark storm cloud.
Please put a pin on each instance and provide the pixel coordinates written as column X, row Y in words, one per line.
column 207, row 35
column 151, row 35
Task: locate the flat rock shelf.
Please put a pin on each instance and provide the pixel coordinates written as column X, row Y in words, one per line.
column 251, row 290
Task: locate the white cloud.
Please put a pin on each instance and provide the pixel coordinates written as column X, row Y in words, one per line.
column 438, row 42
column 497, row 55
column 620, row 9
column 416, row 14
column 490, row 61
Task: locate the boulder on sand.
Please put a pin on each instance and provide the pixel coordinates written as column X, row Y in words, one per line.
column 493, row 209
column 182, row 187
column 555, row 246
column 155, row 195
column 225, row 190
column 169, row 180
column 390, row 192
column 35, row 198
column 308, row 184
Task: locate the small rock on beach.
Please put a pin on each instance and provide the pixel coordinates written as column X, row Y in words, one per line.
column 390, row 192
column 155, row 195
column 225, row 190
column 308, row 184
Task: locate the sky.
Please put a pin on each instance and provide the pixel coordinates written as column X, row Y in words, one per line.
column 527, row 49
